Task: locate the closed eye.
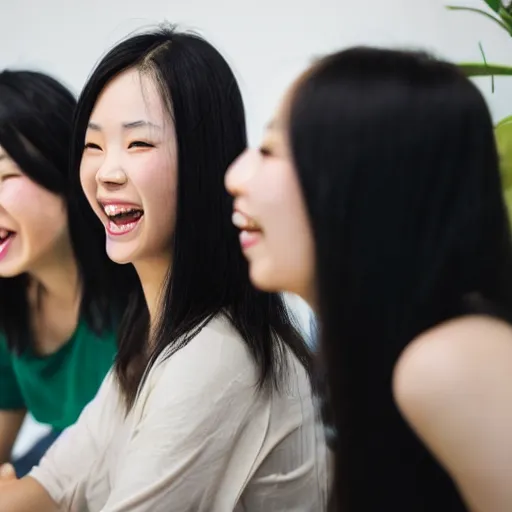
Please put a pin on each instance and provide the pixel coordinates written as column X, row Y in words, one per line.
column 140, row 144
column 8, row 176
column 91, row 145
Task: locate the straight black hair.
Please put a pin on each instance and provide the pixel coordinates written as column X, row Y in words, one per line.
column 396, row 157
column 209, row 274
column 36, row 117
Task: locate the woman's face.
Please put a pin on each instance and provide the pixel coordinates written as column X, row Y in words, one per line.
column 129, row 169
column 33, row 221
column 269, row 210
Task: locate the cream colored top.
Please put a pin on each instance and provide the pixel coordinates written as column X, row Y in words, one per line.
column 200, row 438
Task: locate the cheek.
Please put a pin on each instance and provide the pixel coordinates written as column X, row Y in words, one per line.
column 281, row 202
column 288, row 236
column 32, row 207
column 156, row 185
column 285, row 222
column 88, row 179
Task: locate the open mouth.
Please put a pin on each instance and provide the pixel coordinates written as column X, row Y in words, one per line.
column 6, row 237
column 244, row 223
column 122, row 219
column 250, row 231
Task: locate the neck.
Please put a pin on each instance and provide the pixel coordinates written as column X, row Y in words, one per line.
column 152, row 274
column 57, row 274
column 309, row 295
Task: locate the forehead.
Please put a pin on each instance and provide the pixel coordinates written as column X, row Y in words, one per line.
column 278, row 123
column 275, row 131
column 4, row 156
column 130, row 95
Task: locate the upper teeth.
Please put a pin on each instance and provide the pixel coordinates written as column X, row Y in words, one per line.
column 241, row 221
column 113, row 209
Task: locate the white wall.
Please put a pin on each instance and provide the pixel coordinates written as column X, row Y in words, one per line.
column 267, row 41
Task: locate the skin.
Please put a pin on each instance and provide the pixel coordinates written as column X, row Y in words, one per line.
column 136, row 165
column 10, row 425
column 42, row 249
column 453, row 384
column 278, row 210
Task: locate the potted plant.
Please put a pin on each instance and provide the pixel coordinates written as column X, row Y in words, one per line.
column 501, row 15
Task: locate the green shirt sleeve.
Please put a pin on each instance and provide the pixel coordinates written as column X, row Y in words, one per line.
column 10, row 394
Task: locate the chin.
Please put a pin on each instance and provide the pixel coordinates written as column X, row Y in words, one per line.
column 7, row 273
column 119, row 257
column 12, row 270
column 263, row 280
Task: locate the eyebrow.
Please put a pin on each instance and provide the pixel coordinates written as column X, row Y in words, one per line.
column 3, row 156
column 127, row 126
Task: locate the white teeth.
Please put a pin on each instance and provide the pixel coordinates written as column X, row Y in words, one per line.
column 114, row 209
column 238, row 220
column 241, row 221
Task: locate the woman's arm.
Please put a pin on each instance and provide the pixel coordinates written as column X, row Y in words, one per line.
column 454, row 387
column 25, row 495
column 12, row 403
column 10, row 425
column 54, row 483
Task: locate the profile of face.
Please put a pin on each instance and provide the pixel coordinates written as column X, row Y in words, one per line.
column 33, row 221
column 129, row 168
column 270, row 212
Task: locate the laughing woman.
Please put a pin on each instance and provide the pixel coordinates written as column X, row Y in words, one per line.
column 377, row 197
column 209, row 407
column 58, row 298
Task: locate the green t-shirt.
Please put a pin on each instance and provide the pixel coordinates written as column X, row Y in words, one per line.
column 55, row 388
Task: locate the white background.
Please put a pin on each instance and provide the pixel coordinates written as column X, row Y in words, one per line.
column 268, row 42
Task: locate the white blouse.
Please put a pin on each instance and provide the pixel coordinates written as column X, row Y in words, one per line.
column 200, row 438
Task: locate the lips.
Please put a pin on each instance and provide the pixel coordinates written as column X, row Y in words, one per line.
column 250, row 231
column 6, row 238
column 122, row 218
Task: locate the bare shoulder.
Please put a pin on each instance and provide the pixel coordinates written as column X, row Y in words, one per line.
column 453, row 385
column 462, row 358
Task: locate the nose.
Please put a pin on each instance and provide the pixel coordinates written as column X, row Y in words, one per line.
column 111, row 175
column 240, row 172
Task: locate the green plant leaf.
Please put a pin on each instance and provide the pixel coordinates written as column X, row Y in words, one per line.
column 494, row 4
column 505, row 120
column 503, row 135
column 483, row 13
column 506, row 18
column 485, row 63
column 507, row 193
column 482, row 69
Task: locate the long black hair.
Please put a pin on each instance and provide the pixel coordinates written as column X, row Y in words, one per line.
column 209, row 274
column 36, row 118
column 396, row 158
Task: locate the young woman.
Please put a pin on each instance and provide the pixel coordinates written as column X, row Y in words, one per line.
column 58, row 302
column 209, row 407
column 376, row 196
